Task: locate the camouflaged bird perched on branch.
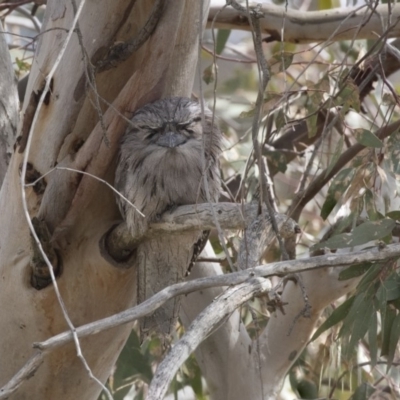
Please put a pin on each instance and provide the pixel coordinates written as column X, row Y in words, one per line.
column 167, row 153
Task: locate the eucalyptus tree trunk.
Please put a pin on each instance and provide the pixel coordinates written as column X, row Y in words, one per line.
column 78, row 126
column 120, row 56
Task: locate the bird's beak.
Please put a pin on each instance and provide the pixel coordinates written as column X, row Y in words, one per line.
column 171, row 139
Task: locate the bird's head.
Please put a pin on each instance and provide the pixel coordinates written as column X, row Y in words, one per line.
column 173, row 123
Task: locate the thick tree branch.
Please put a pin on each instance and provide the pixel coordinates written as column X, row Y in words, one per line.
column 117, row 245
column 312, row 26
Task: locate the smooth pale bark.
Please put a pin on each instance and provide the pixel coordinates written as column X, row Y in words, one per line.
column 9, row 105
column 79, row 211
column 237, row 367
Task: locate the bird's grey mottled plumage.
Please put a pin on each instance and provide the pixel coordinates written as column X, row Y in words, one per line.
column 165, row 153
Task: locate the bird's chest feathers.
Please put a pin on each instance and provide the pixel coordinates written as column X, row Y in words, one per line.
column 174, row 176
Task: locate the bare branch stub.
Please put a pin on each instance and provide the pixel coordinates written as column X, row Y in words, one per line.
column 41, row 276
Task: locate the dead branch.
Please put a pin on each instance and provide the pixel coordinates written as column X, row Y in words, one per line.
column 22, row 375
column 280, row 268
column 209, row 320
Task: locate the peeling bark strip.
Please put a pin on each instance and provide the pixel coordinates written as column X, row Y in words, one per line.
column 30, row 113
column 119, row 52
column 33, row 175
column 311, row 26
column 118, row 244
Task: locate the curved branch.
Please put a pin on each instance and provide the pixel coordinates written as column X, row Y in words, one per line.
column 280, row 268
column 209, row 320
column 310, row 26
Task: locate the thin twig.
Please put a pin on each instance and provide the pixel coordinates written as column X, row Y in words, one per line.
column 87, row 174
column 215, row 55
column 22, row 375
column 265, row 188
column 204, row 161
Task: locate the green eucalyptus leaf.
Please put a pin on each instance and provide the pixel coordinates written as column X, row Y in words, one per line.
column 307, row 389
column 336, row 154
column 394, row 338
column 393, row 151
column 363, row 392
column 394, row 215
column 387, row 330
column 369, row 280
column 338, row 186
column 367, row 138
column 222, row 38
column 392, row 287
column 280, row 120
column 370, row 207
column 354, row 271
column 372, row 339
column 364, row 233
column 357, row 320
column 338, row 315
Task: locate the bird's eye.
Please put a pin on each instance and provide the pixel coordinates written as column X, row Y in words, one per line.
column 152, row 132
column 186, row 126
